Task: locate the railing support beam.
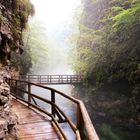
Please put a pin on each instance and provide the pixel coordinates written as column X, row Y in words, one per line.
column 29, row 95
column 53, row 101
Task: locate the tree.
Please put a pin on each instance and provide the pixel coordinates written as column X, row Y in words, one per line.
column 35, row 48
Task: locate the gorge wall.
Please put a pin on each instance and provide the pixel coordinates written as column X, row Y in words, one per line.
column 13, row 19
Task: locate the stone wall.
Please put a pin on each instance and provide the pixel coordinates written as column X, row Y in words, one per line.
column 8, row 120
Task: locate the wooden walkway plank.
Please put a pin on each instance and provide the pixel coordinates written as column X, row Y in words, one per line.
column 33, row 126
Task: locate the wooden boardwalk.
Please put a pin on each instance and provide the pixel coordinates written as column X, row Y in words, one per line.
column 32, row 125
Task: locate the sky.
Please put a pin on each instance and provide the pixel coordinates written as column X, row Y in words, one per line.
column 55, row 13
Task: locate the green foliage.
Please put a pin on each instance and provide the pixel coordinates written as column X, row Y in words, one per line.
column 36, row 44
column 22, row 10
column 107, row 133
column 13, row 19
column 22, row 62
column 108, row 49
column 35, row 49
column 108, row 53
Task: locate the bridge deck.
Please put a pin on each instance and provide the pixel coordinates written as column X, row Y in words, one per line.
column 51, row 79
column 32, row 125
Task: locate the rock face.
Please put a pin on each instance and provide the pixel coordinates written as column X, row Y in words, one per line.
column 8, row 120
column 13, row 18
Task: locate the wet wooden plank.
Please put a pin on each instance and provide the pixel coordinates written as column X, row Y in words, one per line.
column 32, row 125
column 40, row 138
column 48, row 136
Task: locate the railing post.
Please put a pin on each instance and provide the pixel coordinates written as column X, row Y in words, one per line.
column 67, row 78
column 40, row 77
column 78, row 117
column 59, row 79
column 29, row 95
column 70, row 79
column 50, row 78
column 53, row 101
column 62, row 78
column 80, row 122
column 28, row 78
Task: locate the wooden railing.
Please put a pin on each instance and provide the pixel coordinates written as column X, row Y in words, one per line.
column 83, row 128
column 51, row 79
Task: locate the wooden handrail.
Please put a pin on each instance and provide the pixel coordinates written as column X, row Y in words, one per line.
column 84, row 128
column 49, row 88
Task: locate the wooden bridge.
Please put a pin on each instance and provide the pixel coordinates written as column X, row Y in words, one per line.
column 39, row 123
column 52, row 79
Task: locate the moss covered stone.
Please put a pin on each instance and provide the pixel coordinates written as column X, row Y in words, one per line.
column 13, row 19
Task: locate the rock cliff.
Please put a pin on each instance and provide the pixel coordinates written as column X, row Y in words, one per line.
column 13, row 19
column 8, row 120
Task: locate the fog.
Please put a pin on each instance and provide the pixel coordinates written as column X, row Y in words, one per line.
column 57, row 20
